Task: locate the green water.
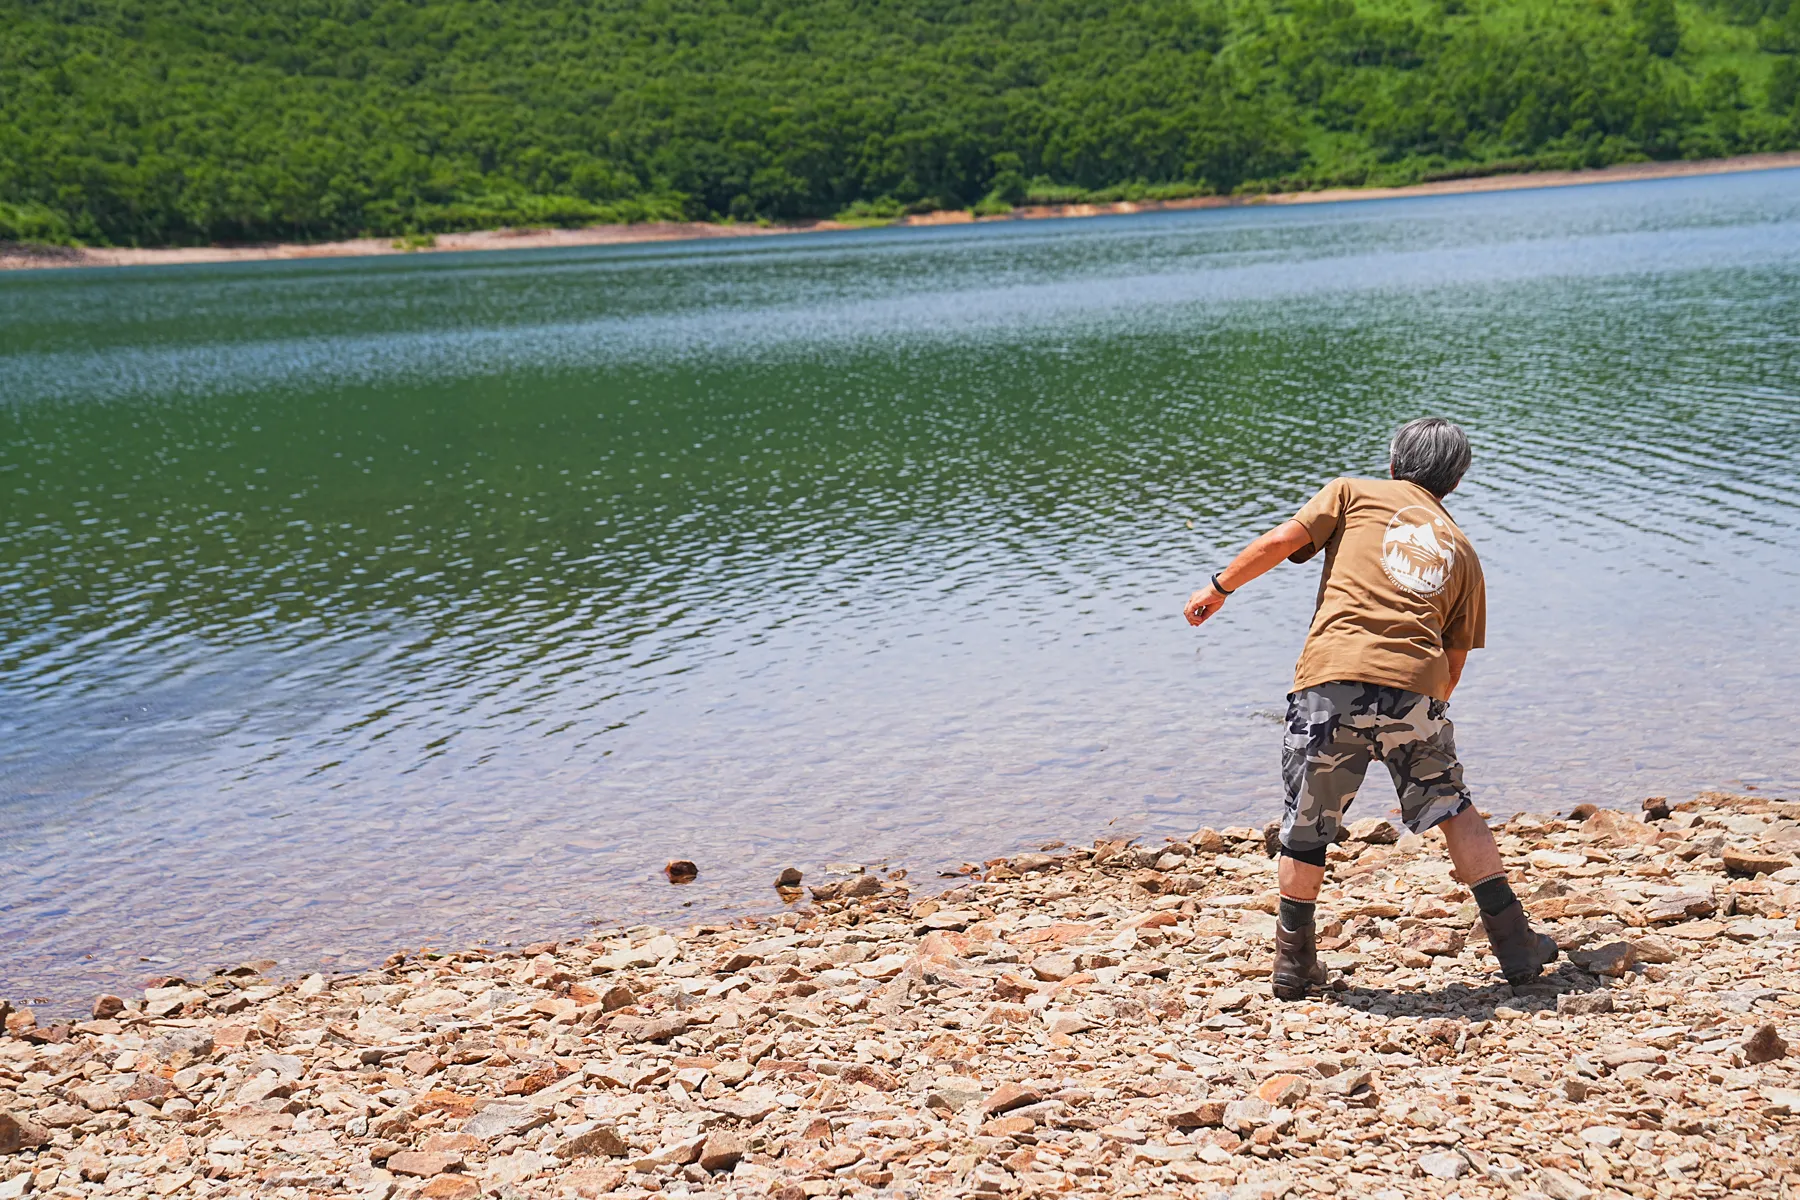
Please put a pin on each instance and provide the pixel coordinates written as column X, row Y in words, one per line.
column 364, row 603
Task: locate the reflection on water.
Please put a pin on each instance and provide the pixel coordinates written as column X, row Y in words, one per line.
column 358, row 604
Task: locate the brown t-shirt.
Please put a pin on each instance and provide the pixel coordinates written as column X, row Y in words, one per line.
column 1401, row 585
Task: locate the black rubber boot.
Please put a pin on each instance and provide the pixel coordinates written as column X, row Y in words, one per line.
column 1297, row 965
column 1523, row 952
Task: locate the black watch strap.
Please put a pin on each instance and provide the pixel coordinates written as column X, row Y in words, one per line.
column 1219, row 587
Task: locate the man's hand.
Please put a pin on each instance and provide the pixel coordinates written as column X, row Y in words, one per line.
column 1203, row 604
column 1256, row 558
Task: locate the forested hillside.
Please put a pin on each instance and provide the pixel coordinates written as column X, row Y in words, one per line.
column 181, row 121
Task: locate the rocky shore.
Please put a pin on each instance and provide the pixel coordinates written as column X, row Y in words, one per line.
column 1076, row 1020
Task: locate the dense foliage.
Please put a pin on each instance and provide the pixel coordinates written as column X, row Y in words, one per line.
column 176, row 121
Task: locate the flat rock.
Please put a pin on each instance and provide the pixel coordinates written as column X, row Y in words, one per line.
column 651, row 1029
column 1582, row 1004
column 1681, row 906
column 1618, row 829
column 1740, row 861
column 18, row 1133
column 1444, row 1164
column 1009, row 1096
column 602, row 1140
column 1373, row 831
column 496, row 1121
column 423, row 1164
column 1203, row 1114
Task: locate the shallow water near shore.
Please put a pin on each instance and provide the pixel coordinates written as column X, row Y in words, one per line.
column 360, row 604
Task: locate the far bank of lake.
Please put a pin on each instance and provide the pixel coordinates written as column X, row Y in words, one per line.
column 668, row 231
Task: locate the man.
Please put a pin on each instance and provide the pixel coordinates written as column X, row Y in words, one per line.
column 1401, row 603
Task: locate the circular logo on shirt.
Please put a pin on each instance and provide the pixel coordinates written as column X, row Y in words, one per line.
column 1417, row 551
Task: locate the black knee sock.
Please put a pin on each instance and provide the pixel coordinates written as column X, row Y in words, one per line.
column 1494, row 896
column 1296, row 914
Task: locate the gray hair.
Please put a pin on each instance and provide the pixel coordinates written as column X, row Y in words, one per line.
column 1430, row 452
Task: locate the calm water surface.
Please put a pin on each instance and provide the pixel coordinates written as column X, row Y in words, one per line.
column 350, row 605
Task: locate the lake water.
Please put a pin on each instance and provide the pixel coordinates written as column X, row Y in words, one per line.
column 358, row 604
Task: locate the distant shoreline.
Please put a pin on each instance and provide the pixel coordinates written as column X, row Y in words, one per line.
column 16, row 258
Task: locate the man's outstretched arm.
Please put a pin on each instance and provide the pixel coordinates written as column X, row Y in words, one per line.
column 1257, row 558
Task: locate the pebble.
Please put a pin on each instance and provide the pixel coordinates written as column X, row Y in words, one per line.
column 1082, row 1021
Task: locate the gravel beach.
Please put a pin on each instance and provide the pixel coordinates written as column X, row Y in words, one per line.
column 1092, row 1020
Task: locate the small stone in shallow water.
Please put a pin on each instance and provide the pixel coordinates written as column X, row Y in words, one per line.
column 790, row 877
column 681, row 870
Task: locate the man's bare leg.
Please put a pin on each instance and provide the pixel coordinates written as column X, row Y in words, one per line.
column 1522, row 951
column 1302, row 881
column 1471, row 846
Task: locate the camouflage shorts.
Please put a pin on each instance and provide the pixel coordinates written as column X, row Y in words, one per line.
column 1335, row 729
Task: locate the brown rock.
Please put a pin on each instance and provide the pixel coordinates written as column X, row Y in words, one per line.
column 681, row 870
column 1435, row 940
column 1374, row 831
column 536, row 1080
column 383, row 1149
column 107, row 1007
column 836, row 1158
column 1010, row 988
column 1764, row 1045
column 421, row 1062
column 601, row 1140
column 722, row 1150
column 449, row 1187
column 61, row 1116
column 1608, row 825
column 1741, row 861
column 1205, row 1114
column 1008, row 1126
column 650, row 1029
column 873, row 1074
column 1283, row 1091
column 1656, row 808
column 17, row 1134
column 1007, row 1097
column 1614, row 958
column 424, row 1164
column 863, row 886
column 1582, row 1004
column 1559, row 1185
column 789, row 877
column 1581, row 812
column 1053, row 968
column 1207, row 841
column 1681, row 906
column 99, row 1097
column 591, row 1182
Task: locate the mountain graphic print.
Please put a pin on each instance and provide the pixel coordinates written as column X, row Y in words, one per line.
column 1417, row 551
